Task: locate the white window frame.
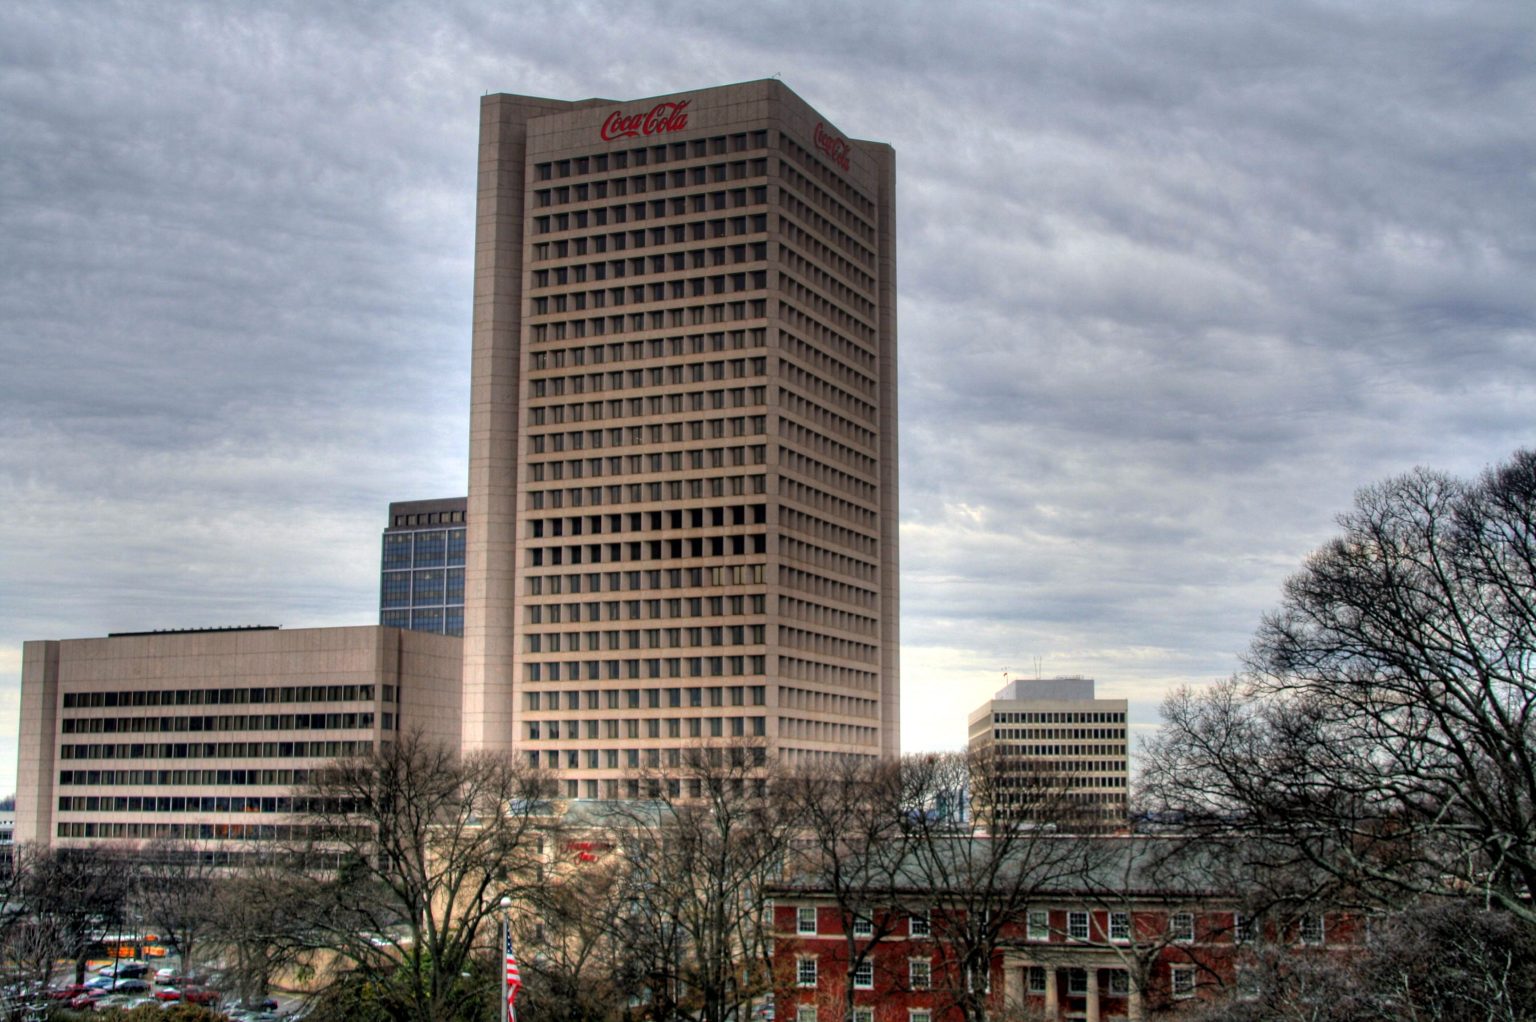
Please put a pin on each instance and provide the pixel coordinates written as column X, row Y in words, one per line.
column 923, row 966
column 864, row 975
column 1039, row 924
column 805, row 922
column 1120, row 926
column 919, row 1015
column 863, row 1013
column 1181, row 927
column 805, row 1013
column 1181, row 982
column 1077, row 981
column 863, row 927
column 1035, row 979
column 1243, row 928
column 1312, row 930
column 1119, row 983
column 919, row 924
column 1078, row 927
column 806, row 969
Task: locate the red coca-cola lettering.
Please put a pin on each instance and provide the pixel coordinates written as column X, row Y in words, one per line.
column 836, row 148
column 662, row 117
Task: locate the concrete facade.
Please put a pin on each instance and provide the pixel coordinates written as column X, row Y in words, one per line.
column 1051, row 733
column 682, row 519
column 202, row 736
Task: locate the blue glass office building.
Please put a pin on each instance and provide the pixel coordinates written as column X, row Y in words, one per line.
column 421, row 583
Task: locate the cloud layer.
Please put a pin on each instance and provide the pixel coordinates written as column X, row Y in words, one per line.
column 1176, row 279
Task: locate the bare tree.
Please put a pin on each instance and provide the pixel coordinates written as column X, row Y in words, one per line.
column 77, row 895
column 258, row 923
column 850, row 843
column 576, row 964
column 175, row 892
column 426, row 844
column 699, row 857
column 978, row 880
column 1384, row 732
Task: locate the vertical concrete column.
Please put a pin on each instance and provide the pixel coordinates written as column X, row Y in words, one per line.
column 1013, row 985
column 1093, row 994
column 1052, row 994
column 1133, row 1002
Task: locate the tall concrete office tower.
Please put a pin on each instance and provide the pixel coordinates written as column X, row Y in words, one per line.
column 682, row 498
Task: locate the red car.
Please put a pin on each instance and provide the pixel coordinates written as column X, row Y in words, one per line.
column 68, row 993
column 168, row 994
column 208, row 997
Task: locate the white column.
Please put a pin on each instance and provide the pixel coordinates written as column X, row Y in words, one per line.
column 1052, row 1000
column 1093, row 994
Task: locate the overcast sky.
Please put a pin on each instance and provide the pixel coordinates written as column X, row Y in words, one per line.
column 1176, row 279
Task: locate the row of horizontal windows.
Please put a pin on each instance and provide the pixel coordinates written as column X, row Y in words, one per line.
column 1034, row 770
column 698, row 148
column 640, row 493
column 672, row 206
column 650, row 550
column 1061, row 750
column 655, row 727
column 654, row 698
column 1060, row 717
column 657, row 291
column 442, row 620
column 715, row 428
column 668, row 667
column 633, row 759
column 229, row 722
column 835, row 183
column 155, row 778
column 639, row 521
column 674, row 233
column 647, row 638
column 175, row 804
column 426, row 518
column 328, row 749
column 430, row 587
column 657, row 461
column 435, row 549
column 646, row 266
column 192, row 831
column 641, row 610
column 227, row 696
column 656, row 181
column 650, row 579
column 1036, row 734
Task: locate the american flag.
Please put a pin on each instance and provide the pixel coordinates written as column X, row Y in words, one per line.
column 514, row 978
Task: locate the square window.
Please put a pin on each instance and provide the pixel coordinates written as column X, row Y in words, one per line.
column 1181, row 981
column 919, row 1016
column 805, row 972
column 863, row 1015
column 863, row 927
column 805, row 921
column 1077, row 925
column 1119, row 926
column 1077, row 981
column 1119, row 982
column 918, row 925
column 919, row 974
column 864, row 975
column 1181, row 926
column 1039, row 925
column 1037, row 979
column 805, row 1013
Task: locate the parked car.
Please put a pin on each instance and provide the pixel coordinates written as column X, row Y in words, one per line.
column 196, row 996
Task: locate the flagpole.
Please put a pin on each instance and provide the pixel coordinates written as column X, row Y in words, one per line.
column 501, row 959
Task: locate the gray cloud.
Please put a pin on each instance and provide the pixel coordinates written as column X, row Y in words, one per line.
column 1176, row 279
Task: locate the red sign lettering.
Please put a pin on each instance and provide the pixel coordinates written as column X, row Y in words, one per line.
column 660, row 118
column 837, row 149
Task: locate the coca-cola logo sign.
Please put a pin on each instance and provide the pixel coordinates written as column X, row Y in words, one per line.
column 661, row 118
column 836, row 148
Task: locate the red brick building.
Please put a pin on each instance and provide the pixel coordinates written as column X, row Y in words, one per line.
column 1080, row 950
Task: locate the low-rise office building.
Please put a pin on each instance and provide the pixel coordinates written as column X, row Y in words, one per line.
column 1059, row 748
column 202, row 736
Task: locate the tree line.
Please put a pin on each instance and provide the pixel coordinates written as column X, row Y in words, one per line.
column 1377, row 754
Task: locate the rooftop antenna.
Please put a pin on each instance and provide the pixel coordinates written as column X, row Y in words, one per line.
column 1037, row 668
